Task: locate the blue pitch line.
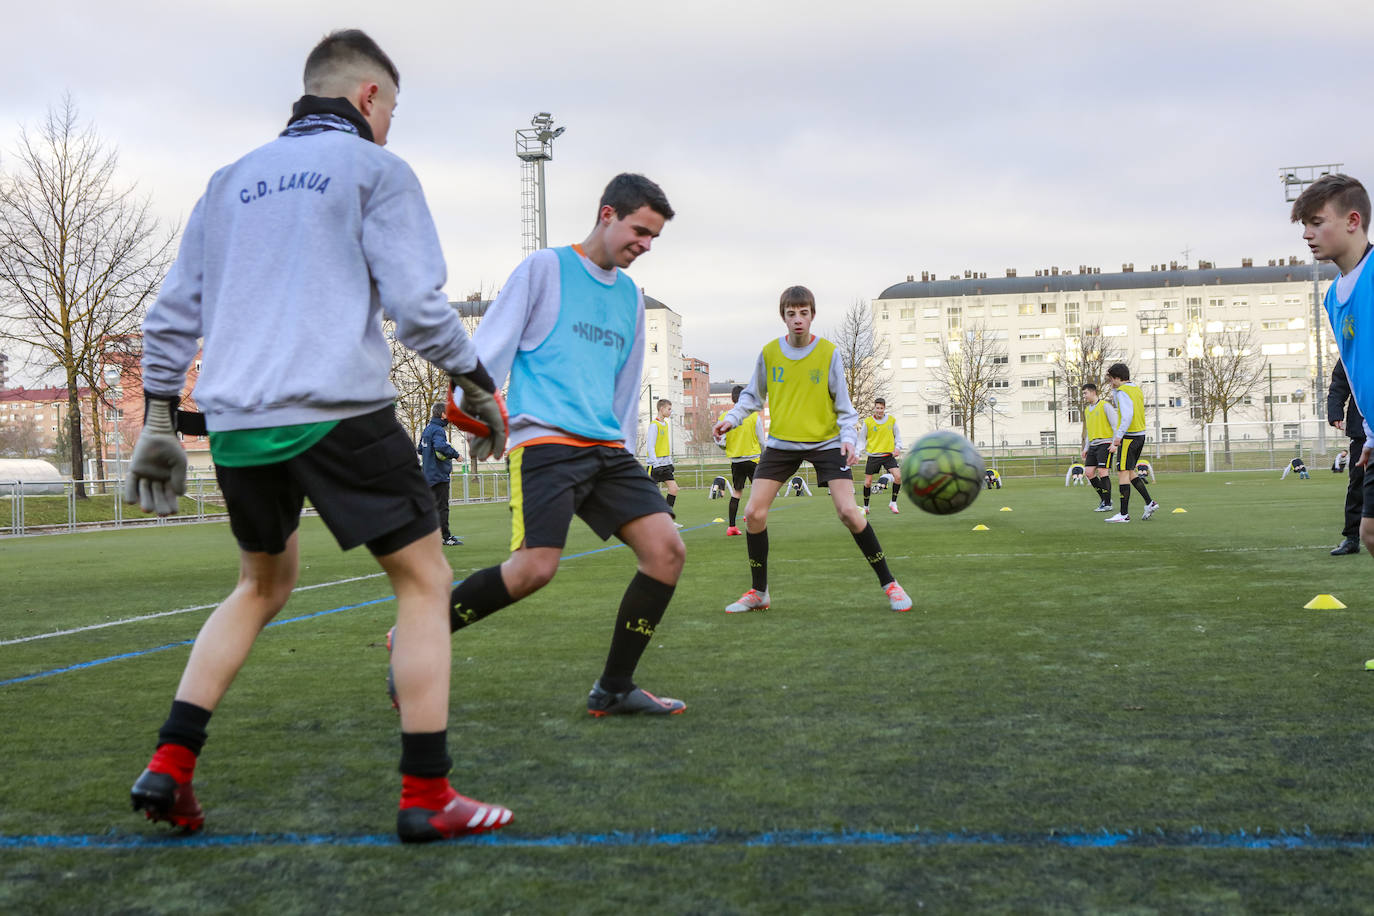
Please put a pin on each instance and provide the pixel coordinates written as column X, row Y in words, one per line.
column 1197, row 838
column 276, row 623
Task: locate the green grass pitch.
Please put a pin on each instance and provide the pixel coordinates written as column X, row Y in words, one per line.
column 1059, row 680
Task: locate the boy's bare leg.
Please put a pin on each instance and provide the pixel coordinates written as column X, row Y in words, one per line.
column 421, row 658
column 657, row 545
column 761, row 497
column 226, row 637
column 842, row 495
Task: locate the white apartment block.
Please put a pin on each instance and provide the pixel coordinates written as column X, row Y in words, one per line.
column 1036, row 317
column 662, row 366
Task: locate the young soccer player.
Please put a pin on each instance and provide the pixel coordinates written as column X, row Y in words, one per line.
column 568, row 329
column 812, row 420
column 286, row 266
column 743, row 444
column 1334, row 212
column 884, row 447
column 1099, row 416
column 1128, row 441
column 658, row 447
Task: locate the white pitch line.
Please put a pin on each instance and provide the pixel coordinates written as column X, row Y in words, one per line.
column 184, row 610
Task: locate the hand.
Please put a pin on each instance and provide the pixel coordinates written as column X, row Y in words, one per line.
column 1364, row 457
column 1339, row 424
column 481, row 413
column 721, row 428
column 848, row 452
column 1116, row 443
column 157, row 469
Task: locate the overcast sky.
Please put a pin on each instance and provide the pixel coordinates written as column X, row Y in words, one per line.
column 838, row 146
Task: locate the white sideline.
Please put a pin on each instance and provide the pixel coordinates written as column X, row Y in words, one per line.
column 184, row 610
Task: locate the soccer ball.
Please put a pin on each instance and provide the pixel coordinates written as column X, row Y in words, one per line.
column 943, row 473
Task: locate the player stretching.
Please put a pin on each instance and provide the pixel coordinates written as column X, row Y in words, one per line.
column 658, row 447
column 1128, row 441
column 812, row 419
column 884, row 447
column 1334, row 212
column 286, row 274
column 743, row 445
column 568, row 328
column 1098, row 419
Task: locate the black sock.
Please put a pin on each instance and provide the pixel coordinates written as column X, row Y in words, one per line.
column 1139, row 484
column 896, row 488
column 641, row 609
column 868, row 491
column 758, row 559
column 672, row 498
column 873, row 553
column 425, row 754
column 185, row 726
column 1125, row 490
column 734, row 510
column 480, row 594
column 1103, row 494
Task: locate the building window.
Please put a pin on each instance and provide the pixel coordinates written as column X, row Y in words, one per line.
column 999, row 383
column 1032, row 358
column 906, row 312
column 1030, row 334
column 997, row 311
column 1075, row 415
column 933, row 410
column 1032, row 383
column 1026, row 308
column 1215, row 303
column 1000, row 360
column 1049, row 308
column 930, row 311
column 1168, row 434
column 1277, row 324
column 1032, row 407
column 1094, row 305
column 1240, row 303
column 1047, row 438
column 909, row 362
column 954, row 318
column 933, row 337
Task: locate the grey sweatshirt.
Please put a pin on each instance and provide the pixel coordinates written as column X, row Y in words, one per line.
column 286, row 267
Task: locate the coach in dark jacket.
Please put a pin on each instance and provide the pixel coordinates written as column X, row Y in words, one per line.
column 1342, row 413
column 436, row 460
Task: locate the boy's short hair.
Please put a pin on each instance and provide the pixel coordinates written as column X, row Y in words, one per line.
column 1345, row 192
column 735, row 393
column 1086, row 385
column 627, row 192
column 796, row 296
column 339, row 51
column 877, row 401
column 1119, row 370
column 437, row 412
column 664, row 402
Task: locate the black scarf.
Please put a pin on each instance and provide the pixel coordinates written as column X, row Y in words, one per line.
column 312, row 113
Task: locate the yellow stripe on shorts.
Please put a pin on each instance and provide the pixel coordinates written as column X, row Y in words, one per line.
column 517, row 493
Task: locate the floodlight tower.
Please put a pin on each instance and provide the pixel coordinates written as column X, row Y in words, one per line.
column 1295, row 179
column 1153, row 322
column 534, row 147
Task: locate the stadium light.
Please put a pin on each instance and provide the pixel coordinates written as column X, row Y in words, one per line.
column 1153, row 322
column 112, row 374
column 992, row 417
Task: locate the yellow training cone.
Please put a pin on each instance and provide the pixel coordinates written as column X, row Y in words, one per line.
column 1180, row 511
column 981, row 528
column 717, row 521
column 1323, row 603
column 1005, row 509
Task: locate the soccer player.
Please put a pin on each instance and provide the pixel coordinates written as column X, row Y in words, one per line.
column 1099, row 416
column 1334, row 212
column 884, row 447
column 743, row 445
column 286, row 267
column 1128, row 441
column 658, row 446
column 1344, row 414
column 812, row 420
column 1298, row 465
column 436, row 461
column 568, row 329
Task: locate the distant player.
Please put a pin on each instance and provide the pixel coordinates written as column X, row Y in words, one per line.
column 802, row 377
column 568, row 329
column 1296, row 466
column 658, row 447
column 1128, row 441
column 1075, row 475
column 884, row 447
column 992, row 479
column 743, row 445
column 1099, row 416
column 286, row 292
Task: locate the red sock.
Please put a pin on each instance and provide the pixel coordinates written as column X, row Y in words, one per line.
column 176, row 761
column 425, row 792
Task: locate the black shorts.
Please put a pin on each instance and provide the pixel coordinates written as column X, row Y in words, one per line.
column 550, row 482
column 780, row 464
column 661, row 474
column 876, row 463
column 1128, row 455
column 741, row 472
column 1098, row 456
column 1367, row 485
column 362, row 478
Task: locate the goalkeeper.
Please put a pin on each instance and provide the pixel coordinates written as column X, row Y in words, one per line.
column 287, row 266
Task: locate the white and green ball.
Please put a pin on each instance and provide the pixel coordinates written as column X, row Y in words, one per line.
column 942, row 473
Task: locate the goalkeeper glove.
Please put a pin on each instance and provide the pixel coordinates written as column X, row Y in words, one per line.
column 480, row 412
column 157, row 470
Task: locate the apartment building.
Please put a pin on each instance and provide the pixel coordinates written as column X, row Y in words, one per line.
column 1155, row 318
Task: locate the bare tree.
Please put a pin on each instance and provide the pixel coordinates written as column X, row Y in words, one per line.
column 971, row 360
column 20, row 439
column 1083, row 359
column 862, row 353
column 1222, row 373
column 80, row 256
column 419, row 383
